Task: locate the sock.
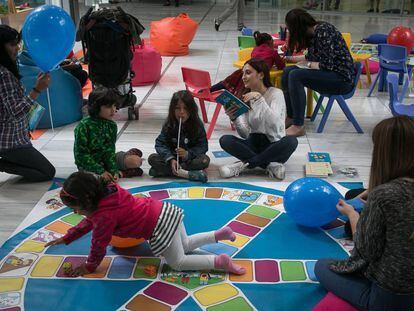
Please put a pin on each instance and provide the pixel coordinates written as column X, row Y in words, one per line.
column 225, row 233
column 182, row 173
column 224, row 262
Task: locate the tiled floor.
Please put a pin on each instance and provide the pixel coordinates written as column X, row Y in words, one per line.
column 215, row 52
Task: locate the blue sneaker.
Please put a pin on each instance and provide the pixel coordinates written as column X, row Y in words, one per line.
column 197, row 176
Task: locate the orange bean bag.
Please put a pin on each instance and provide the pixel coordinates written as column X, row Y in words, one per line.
column 172, row 35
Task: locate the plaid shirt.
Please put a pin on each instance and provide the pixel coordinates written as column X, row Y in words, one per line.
column 14, row 107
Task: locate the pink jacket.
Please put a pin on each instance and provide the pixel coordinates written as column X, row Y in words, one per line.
column 120, row 214
column 269, row 55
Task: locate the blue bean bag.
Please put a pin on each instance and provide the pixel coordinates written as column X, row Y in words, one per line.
column 65, row 93
column 376, row 38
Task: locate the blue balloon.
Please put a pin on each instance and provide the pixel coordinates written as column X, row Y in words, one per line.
column 311, row 202
column 49, row 36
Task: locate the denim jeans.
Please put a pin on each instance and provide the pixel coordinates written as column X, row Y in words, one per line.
column 27, row 162
column 360, row 291
column 257, row 150
column 294, row 79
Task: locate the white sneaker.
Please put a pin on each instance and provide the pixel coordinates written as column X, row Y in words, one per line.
column 276, row 170
column 231, row 170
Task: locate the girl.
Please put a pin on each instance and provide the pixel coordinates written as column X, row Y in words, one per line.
column 264, row 50
column 192, row 146
column 328, row 55
column 95, row 138
column 263, row 143
column 379, row 275
column 17, row 155
column 112, row 210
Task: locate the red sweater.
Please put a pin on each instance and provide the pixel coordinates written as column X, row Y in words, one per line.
column 269, row 55
column 120, row 214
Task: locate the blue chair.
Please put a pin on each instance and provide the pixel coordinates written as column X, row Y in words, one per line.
column 391, row 58
column 65, row 93
column 396, row 105
column 341, row 101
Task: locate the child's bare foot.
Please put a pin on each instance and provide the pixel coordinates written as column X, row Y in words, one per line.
column 224, row 262
column 225, row 233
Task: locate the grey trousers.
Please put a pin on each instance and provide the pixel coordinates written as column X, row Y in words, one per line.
column 234, row 5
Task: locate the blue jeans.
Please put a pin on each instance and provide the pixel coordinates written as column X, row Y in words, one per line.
column 257, row 150
column 360, row 291
column 294, row 79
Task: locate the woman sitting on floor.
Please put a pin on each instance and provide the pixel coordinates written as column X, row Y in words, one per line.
column 379, row 275
column 262, row 128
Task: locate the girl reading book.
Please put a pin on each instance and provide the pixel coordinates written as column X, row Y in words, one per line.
column 263, row 142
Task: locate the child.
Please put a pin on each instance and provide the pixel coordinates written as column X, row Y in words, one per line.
column 263, row 50
column 112, row 210
column 95, row 138
column 192, row 146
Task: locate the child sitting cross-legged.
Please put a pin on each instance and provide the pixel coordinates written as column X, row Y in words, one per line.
column 112, row 210
column 95, row 138
column 190, row 150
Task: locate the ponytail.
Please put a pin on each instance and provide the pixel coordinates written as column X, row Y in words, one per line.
column 261, row 38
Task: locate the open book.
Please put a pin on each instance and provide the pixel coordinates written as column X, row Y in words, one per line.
column 35, row 114
column 228, row 100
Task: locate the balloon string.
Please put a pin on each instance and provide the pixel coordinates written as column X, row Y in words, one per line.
column 178, row 144
column 50, row 110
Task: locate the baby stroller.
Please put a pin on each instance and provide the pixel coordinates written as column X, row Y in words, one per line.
column 108, row 36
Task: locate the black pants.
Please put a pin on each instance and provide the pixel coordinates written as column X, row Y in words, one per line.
column 27, row 162
column 164, row 169
column 257, row 150
column 294, row 79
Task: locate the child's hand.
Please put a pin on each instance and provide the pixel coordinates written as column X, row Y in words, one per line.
column 344, row 208
column 78, row 271
column 251, row 96
column 55, row 242
column 107, row 176
column 182, row 153
column 363, row 196
column 173, row 164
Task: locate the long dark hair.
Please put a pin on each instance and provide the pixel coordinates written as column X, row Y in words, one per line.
column 102, row 96
column 83, row 190
column 298, row 22
column 393, row 153
column 261, row 37
column 8, row 35
column 260, row 66
column 193, row 124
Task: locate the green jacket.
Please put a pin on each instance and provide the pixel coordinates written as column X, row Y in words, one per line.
column 94, row 147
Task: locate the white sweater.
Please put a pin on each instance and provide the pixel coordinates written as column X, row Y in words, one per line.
column 267, row 116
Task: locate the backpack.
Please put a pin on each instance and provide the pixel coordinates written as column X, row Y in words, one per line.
column 108, row 36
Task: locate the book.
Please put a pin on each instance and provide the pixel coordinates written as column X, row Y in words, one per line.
column 35, row 114
column 318, row 169
column 357, row 203
column 228, row 100
column 319, row 157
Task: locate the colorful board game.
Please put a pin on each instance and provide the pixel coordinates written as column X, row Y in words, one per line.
column 278, row 255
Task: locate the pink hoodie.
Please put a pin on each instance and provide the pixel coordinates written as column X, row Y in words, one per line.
column 120, row 214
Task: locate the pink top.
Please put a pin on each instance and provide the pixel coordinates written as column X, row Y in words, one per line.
column 120, row 214
column 269, row 55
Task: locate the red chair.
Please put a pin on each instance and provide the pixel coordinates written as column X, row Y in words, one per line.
column 198, row 83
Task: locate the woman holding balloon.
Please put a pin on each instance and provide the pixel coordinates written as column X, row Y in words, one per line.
column 17, row 155
column 379, row 275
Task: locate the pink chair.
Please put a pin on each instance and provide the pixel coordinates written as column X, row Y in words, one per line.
column 198, row 83
column 147, row 64
column 333, row 303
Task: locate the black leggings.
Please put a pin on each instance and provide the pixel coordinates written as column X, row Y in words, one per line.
column 27, row 162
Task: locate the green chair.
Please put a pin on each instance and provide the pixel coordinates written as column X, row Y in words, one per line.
column 246, row 42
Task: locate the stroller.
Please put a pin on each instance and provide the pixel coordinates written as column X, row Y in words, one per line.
column 108, row 36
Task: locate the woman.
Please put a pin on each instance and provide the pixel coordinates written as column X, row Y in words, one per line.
column 379, row 275
column 262, row 128
column 17, row 155
column 329, row 58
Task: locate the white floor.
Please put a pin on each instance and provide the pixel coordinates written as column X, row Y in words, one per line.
column 215, row 52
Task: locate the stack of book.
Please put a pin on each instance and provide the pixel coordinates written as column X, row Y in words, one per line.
column 319, row 165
